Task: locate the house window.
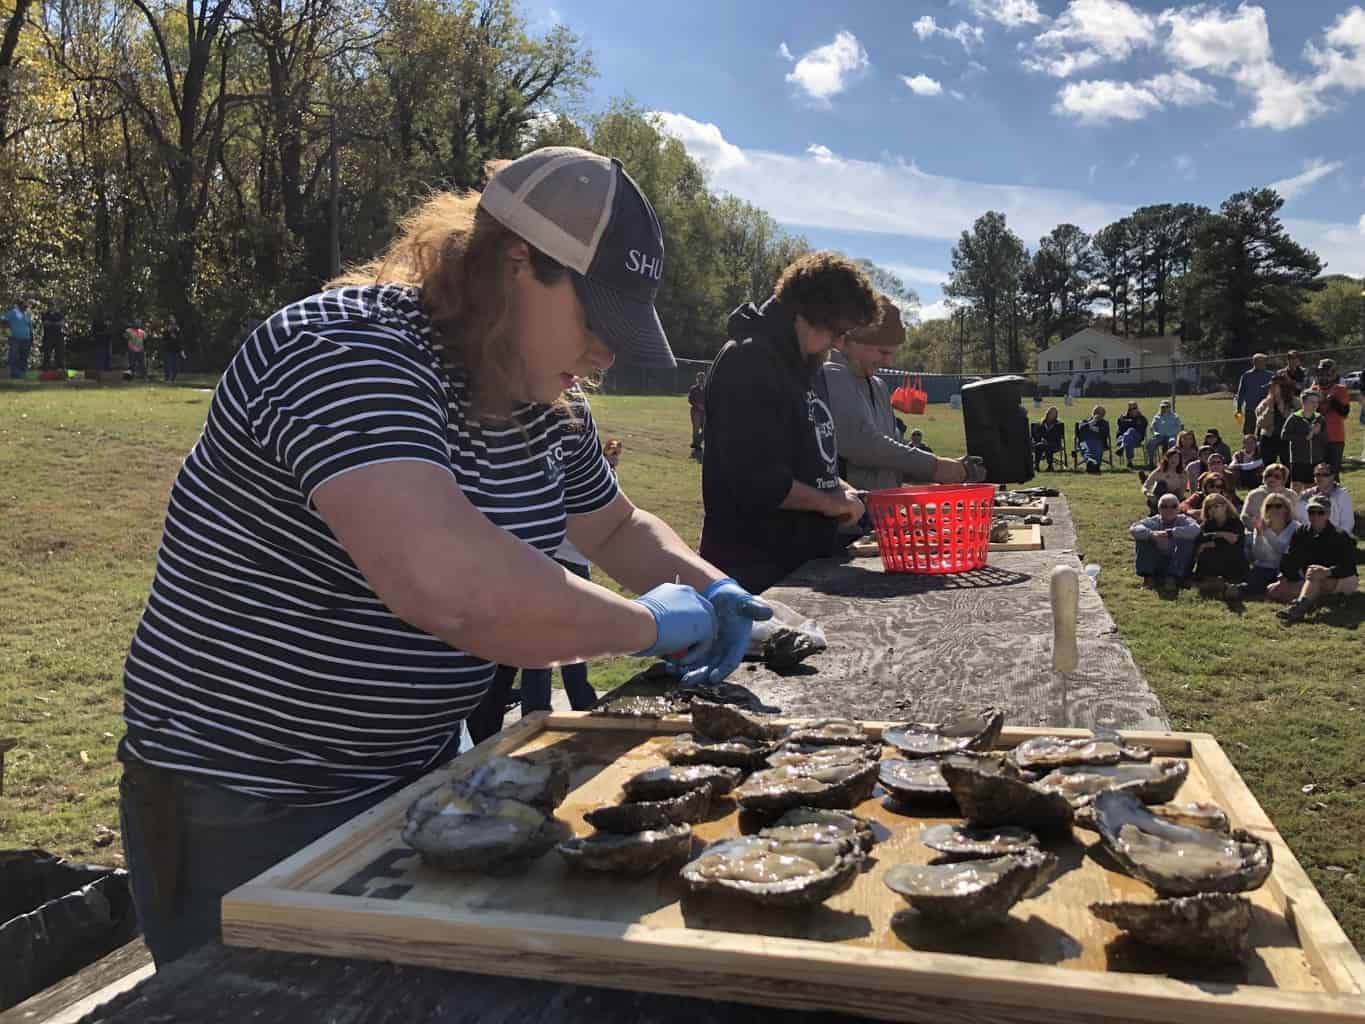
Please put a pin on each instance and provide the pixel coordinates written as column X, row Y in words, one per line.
column 1058, row 365
column 1123, row 365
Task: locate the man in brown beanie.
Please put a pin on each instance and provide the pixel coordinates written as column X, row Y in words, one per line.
column 871, row 455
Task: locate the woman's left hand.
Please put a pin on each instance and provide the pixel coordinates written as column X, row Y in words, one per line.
column 736, row 612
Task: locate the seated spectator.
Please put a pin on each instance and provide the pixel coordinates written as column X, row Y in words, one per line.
column 1305, row 439
column 1194, row 470
column 1166, row 427
column 1275, row 528
column 1247, row 464
column 1092, row 439
column 1321, row 560
column 1210, row 483
column 1165, row 479
column 1221, row 556
column 1165, row 544
column 1215, row 441
column 1343, row 514
column 1211, row 462
column 1132, row 429
column 917, row 441
column 1049, row 436
column 1274, row 481
column 1189, row 451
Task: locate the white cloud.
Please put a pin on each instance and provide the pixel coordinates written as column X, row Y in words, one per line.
column 1341, row 62
column 957, row 94
column 922, row 85
column 918, row 275
column 967, row 35
column 1095, row 101
column 1087, row 33
column 702, row 139
column 1093, row 169
column 1313, row 171
column 784, row 52
column 822, row 154
column 1362, row 224
column 828, row 70
column 940, row 310
column 1132, row 161
column 1338, row 245
column 1211, row 39
column 1185, row 166
column 1010, row 13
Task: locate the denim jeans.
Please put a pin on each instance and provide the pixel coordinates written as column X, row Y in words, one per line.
column 1156, row 444
column 171, row 361
column 1130, row 439
column 1174, row 562
column 189, row 842
column 19, row 349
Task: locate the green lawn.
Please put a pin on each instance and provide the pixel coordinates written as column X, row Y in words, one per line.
column 84, row 473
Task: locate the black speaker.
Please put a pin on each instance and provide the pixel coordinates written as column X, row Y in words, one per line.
column 997, row 428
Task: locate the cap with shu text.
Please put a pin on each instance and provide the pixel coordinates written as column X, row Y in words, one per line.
column 584, row 211
column 1319, row 502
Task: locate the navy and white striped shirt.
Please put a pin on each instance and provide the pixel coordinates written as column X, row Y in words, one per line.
column 264, row 659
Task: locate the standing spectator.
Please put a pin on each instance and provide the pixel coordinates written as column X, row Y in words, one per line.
column 136, row 338
column 1049, row 437
column 1165, row 479
column 1247, row 463
column 1343, row 513
column 917, row 441
column 54, row 338
column 696, row 405
column 1270, row 539
column 20, row 338
column 103, row 338
column 1251, row 389
column 1166, row 427
column 1335, row 407
column 1274, row 409
column 1321, row 560
column 1295, row 371
column 1274, row 481
column 1077, row 388
column 1221, row 556
column 1303, row 435
column 1092, row 438
column 172, row 351
column 1132, row 429
column 1165, row 545
column 1214, row 440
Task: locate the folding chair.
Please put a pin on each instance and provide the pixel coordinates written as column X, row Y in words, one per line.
column 1078, row 458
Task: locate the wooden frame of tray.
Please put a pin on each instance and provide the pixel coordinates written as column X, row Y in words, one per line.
column 1037, row 509
column 358, row 892
column 1022, row 538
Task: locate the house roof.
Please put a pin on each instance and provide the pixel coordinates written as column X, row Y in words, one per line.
column 1158, row 345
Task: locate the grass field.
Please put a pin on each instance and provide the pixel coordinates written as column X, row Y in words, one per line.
column 84, row 474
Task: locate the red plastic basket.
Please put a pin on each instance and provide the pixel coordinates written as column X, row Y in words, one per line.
column 933, row 529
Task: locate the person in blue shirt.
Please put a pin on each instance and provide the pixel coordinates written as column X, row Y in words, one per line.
column 20, row 338
column 1166, row 427
column 1251, row 390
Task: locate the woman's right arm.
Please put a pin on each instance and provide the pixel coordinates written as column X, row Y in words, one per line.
column 440, row 565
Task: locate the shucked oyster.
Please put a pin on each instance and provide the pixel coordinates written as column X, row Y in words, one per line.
column 971, row 893
column 816, row 824
column 737, row 752
column 958, row 842
column 459, row 829
column 827, row 732
column 724, row 722
column 1044, row 753
column 775, row 873
column 1176, row 860
column 974, row 731
column 993, row 792
column 537, row 783
column 636, row 854
column 918, row 781
column 817, row 756
column 1213, row 926
column 640, row 815
column 1192, row 815
column 1156, row 782
column 816, row 784
column 675, row 780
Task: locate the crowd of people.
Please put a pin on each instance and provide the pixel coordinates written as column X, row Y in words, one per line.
column 1292, row 537
column 19, row 332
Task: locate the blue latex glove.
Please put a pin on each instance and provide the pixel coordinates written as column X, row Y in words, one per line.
column 685, row 621
column 736, row 612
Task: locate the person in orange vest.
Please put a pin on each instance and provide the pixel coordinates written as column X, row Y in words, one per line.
column 1336, row 405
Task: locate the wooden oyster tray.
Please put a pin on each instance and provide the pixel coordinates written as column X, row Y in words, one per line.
column 359, row 891
column 1022, row 538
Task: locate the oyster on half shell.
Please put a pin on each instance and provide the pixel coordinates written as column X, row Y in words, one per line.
column 991, row 792
column 1192, row 815
column 1043, row 753
column 457, row 828
column 725, row 721
column 808, row 784
column 1212, row 927
column 960, row 842
column 827, row 732
column 817, row 756
column 817, row 824
column 769, row 871
column 640, row 815
column 1155, row 782
column 972, row 731
column 1176, row 860
column 675, row 780
column 971, row 894
column 635, row 854
column 736, row 752
column 538, row 783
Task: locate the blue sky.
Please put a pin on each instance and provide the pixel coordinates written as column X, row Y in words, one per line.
column 885, row 128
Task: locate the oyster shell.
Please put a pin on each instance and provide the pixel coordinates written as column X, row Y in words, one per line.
column 958, row 842
column 659, row 706
column 828, row 732
column 918, row 781
column 1176, row 860
column 458, row 828
column 1155, row 782
column 772, row 872
column 675, row 780
column 538, row 783
column 1193, row 815
column 1048, row 752
column 635, row 854
column 815, row 824
column 725, row 721
column 973, row 731
column 640, row 815
column 992, row 792
column 817, row 755
column 808, row 784
column 1213, row 927
column 971, row 893
column 737, row 752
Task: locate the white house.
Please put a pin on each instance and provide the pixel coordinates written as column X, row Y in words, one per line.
column 1102, row 356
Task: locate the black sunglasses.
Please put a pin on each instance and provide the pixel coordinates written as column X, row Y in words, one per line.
column 1317, row 511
